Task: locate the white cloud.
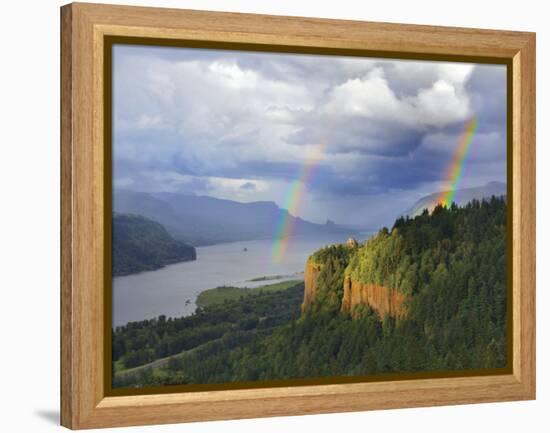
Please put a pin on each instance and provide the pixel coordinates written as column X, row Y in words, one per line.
column 234, row 114
column 369, row 96
column 220, row 109
column 443, row 103
column 233, row 76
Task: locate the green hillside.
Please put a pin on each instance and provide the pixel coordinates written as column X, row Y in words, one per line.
column 463, row 243
column 223, row 294
column 140, row 244
column 452, row 266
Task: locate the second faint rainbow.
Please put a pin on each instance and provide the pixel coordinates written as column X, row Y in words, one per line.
column 293, row 200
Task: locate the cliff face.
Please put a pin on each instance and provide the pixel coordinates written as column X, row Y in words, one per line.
column 344, row 291
column 383, row 300
column 311, row 272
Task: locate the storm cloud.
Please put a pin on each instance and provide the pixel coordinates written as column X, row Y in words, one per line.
column 241, row 125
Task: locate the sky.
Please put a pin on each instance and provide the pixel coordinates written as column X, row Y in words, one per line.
column 375, row 134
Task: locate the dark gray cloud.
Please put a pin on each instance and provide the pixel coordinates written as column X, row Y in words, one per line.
column 487, row 87
column 243, row 125
column 250, row 186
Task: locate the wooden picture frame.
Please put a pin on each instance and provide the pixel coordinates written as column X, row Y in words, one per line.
column 84, row 29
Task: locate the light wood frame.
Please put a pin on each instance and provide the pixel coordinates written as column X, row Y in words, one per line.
column 84, row 403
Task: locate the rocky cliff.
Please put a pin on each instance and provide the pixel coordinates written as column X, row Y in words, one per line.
column 383, row 300
column 332, row 280
column 311, row 272
column 425, row 270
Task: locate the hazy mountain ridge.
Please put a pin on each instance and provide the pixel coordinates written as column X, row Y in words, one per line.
column 203, row 220
column 462, row 197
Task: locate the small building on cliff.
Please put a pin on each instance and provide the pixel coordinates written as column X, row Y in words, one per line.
column 352, row 243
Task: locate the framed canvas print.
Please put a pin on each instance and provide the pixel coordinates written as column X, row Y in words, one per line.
column 270, row 216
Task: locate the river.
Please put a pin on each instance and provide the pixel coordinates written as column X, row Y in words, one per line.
column 172, row 290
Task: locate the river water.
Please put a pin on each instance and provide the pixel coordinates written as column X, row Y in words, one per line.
column 172, row 290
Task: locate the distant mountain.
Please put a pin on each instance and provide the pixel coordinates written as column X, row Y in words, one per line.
column 462, row 197
column 202, row 220
column 140, row 244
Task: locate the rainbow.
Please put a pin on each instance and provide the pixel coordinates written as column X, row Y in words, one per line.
column 456, row 166
column 292, row 202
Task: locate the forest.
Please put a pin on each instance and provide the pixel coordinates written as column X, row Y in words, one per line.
column 217, row 326
column 141, row 244
column 451, row 264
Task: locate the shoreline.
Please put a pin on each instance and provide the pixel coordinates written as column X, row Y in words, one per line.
column 173, row 289
column 242, row 292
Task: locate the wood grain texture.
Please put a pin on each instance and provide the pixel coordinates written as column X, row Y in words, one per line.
column 524, row 216
column 84, row 26
column 308, row 32
column 67, row 394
